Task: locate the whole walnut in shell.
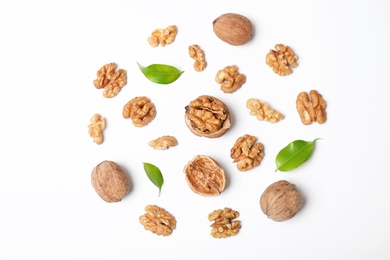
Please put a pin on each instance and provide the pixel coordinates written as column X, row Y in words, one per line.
column 110, row 182
column 234, row 29
column 281, row 201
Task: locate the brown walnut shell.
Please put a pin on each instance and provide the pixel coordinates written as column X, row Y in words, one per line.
column 281, row 201
column 204, row 176
column 109, row 181
column 234, row 29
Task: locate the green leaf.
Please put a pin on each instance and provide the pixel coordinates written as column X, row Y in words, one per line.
column 294, row 155
column 154, row 175
column 161, row 73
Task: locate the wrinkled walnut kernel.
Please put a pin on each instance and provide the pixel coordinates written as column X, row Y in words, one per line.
column 282, row 60
column 163, row 36
column 163, row 142
column 224, row 224
column 198, row 55
column 313, row 110
column 158, row 220
column 247, row 153
column 112, row 82
column 230, row 78
column 96, row 127
column 140, row 110
column 262, row 111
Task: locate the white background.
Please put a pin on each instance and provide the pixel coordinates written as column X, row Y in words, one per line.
column 49, row 54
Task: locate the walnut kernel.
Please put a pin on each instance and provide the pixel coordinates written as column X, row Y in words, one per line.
column 163, row 142
column 247, row 153
column 140, row 110
column 282, row 60
column 313, row 110
column 197, row 54
column 230, row 79
column 112, row 82
column 163, row 36
column 224, row 224
column 96, row 127
column 262, row 111
column 158, row 220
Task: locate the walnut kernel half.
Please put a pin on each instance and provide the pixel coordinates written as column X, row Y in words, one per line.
column 230, row 79
column 112, row 82
column 163, row 142
column 140, row 110
column 197, row 54
column 262, row 111
column 163, row 36
column 313, row 110
column 282, row 59
column 247, row 153
column 224, row 224
column 158, row 220
column 96, row 127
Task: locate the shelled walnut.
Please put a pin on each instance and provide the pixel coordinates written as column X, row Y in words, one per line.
column 230, row 79
column 204, row 176
column 112, row 82
column 247, row 153
column 96, row 127
column 224, row 224
column 313, row 110
column 163, row 36
column 282, row 60
column 262, row 111
column 207, row 116
column 197, row 54
column 140, row 110
column 163, row 142
column 158, row 220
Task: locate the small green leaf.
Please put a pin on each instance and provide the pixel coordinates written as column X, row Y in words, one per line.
column 161, row 73
column 294, row 155
column 154, row 175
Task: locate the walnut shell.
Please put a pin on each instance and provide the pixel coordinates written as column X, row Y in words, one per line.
column 234, row 29
column 281, row 201
column 204, row 176
column 109, row 181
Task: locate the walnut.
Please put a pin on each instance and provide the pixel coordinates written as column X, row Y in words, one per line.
column 163, row 142
column 282, row 60
column 262, row 111
column 247, row 153
column 112, row 82
column 311, row 111
column 234, row 29
column 224, row 224
column 198, row 55
column 109, row 181
column 207, row 116
column 281, row 201
column 96, row 127
column 204, row 176
column 140, row 110
column 230, row 78
column 163, row 36
column 158, row 220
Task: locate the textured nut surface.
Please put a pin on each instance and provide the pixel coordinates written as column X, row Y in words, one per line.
column 163, row 36
column 163, row 142
column 230, row 79
column 262, row 111
column 140, row 110
column 281, row 60
column 224, row 224
column 281, row 201
column 112, row 82
column 247, row 153
column 207, row 116
column 234, row 29
column 158, row 220
column 96, row 127
column 109, row 181
column 204, row 176
column 313, row 110
column 197, row 54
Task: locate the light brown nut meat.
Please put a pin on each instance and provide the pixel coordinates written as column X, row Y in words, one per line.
column 224, row 224
column 262, row 111
column 158, row 220
column 163, row 36
column 112, row 82
column 204, row 176
column 230, row 79
column 207, row 116
column 96, row 127
column 140, row 110
column 313, row 110
column 163, row 142
column 281, row 201
column 197, row 54
column 282, row 60
column 247, row 153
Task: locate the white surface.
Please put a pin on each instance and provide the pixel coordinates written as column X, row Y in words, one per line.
column 50, row 52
